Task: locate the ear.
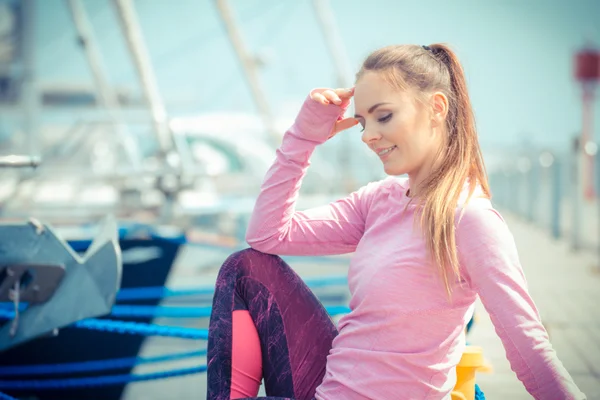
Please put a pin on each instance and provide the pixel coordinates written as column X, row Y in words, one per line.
column 439, row 105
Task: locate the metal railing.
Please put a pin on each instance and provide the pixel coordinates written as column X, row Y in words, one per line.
column 546, row 188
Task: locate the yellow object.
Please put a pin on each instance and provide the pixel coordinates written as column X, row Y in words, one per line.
column 486, row 368
column 458, row 395
column 470, row 362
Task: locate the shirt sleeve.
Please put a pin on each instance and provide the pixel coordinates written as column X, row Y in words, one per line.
column 490, row 263
column 275, row 226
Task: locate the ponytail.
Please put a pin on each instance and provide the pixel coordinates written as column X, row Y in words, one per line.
column 428, row 69
column 462, row 161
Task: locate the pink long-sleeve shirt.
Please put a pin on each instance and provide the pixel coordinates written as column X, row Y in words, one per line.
column 403, row 336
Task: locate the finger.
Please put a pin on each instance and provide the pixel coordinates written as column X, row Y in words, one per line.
column 318, row 97
column 345, row 102
column 344, row 124
column 332, row 96
column 345, row 93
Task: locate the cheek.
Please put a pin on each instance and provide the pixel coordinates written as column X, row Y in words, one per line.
column 397, row 132
column 413, row 147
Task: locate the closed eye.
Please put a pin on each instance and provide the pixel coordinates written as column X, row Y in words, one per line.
column 383, row 120
column 386, row 118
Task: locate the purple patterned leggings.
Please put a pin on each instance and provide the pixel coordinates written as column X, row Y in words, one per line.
column 294, row 329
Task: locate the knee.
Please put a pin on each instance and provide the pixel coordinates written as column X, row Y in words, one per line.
column 246, row 259
column 245, row 256
column 247, row 253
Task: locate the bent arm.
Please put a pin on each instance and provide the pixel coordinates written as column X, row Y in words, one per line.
column 488, row 256
column 275, row 226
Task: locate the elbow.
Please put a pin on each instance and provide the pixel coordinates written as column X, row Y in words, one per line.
column 267, row 239
column 262, row 244
column 252, row 240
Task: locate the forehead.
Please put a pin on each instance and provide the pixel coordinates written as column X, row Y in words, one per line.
column 373, row 88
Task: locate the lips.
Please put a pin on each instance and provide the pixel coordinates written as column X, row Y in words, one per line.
column 383, row 151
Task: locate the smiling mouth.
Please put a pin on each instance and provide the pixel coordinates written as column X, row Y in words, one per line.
column 386, row 151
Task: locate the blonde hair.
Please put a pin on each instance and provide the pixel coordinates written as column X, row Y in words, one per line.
column 426, row 69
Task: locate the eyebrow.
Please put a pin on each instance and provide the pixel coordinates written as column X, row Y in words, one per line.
column 373, row 108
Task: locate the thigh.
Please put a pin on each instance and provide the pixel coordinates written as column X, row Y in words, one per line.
column 295, row 330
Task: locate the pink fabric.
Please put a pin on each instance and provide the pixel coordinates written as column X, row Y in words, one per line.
column 246, row 362
column 403, row 337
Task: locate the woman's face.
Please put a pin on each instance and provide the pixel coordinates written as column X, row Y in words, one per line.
column 397, row 127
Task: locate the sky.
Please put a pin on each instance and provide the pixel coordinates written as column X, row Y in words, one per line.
column 517, row 54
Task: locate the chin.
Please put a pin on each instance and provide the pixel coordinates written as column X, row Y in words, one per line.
column 394, row 170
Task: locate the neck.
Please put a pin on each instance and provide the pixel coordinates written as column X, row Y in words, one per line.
column 420, row 175
column 414, row 184
column 417, row 178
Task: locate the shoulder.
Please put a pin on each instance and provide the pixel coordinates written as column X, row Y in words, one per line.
column 480, row 227
column 377, row 192
column 478, row 211
column 486, row 248
column 390, row 183
column 477, row 216
column 384, row 187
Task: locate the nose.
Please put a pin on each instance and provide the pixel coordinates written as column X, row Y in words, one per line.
column 370, row 136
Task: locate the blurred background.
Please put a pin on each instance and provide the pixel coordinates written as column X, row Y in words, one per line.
column 168, row 114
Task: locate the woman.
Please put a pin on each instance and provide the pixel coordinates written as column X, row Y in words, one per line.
column 424, row 248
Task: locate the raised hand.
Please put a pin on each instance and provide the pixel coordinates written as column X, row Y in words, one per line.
column 338, row 97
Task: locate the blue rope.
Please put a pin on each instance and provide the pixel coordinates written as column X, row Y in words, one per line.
column 127, row 311
column 107, row 380
column 6, row 397
column 151, row 293
column 159, row 311
column 147, row 293
column 91, row 366
column 137, row 328
column 132, row 311
column 132, row 328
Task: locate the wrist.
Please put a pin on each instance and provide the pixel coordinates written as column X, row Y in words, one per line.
column 316, row 121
